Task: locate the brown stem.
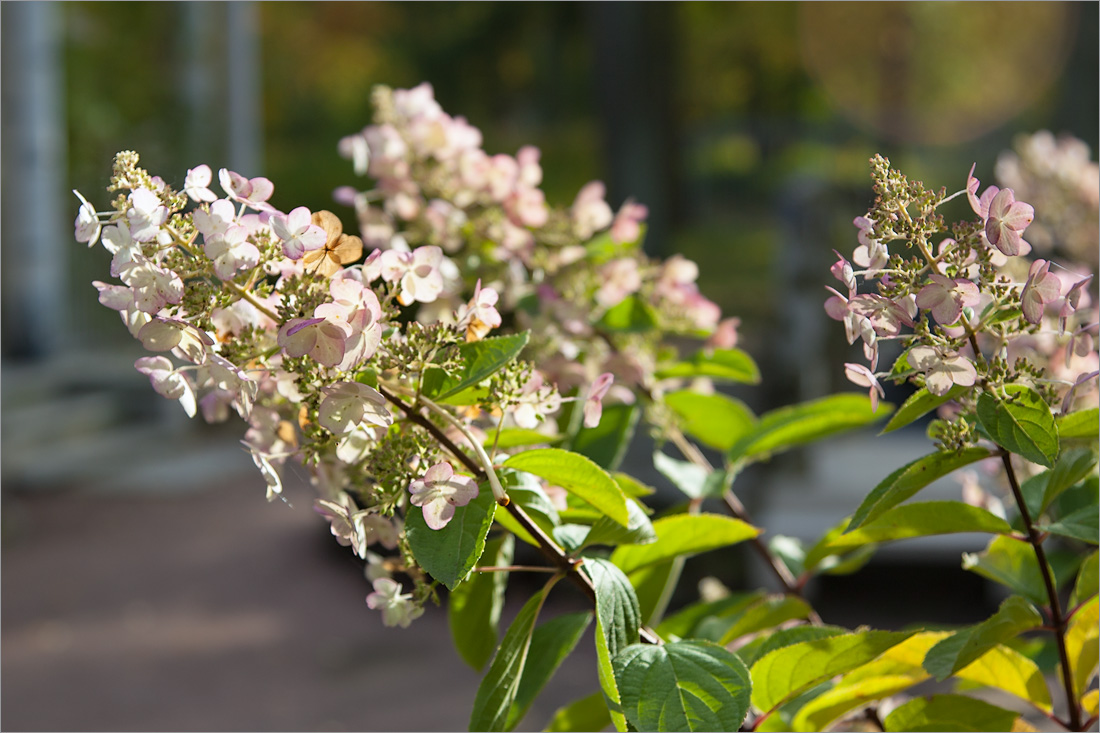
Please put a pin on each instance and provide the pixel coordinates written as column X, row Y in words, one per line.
column 551, row 550
column 1058, row 621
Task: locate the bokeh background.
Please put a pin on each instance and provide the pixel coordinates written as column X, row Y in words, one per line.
column 146, row 585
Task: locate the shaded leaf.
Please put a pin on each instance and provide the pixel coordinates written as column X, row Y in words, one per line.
column 715, row 420
column 684, row 534
column 576, row 474
column 766, row 613
column 1022, row 424
column 638, row 531
column 919, row 404
column 733, row 365
column 949, row 712
column 692, row 480
column 1080, row 525
column 787, row 427
column 480, row 360
column 650, row 583
column 551, row 643
column 682, row 686
column 585, row 714
column 632, row 315
column 450, row 553
column 616, row 604
column 966, row 645
column 684, row 622
column 911, row 478
column 473, row 608
column 1087, row 581
column 1043, row 488
column 606, row 443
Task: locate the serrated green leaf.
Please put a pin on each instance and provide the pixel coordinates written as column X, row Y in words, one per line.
column 911, row 478
column 1083, row 644
column 692, row 480
column 638, row 531
column 551, row 643
column 480, row 359
column 525, row 491
column 766, row 613
column 919, row 404
column 473, row 608
column 715, row 420
column 966, row 645
column 1043, row 488
column 632, row 315
column 632, row 487
column 498, row 689
column 1079, row 525
column 682, row 686
column 1009, row 670
column 606, row 674
column 450, row 553
column 1087, row 580
column 1022, row 424
column 684, row 534
column 949, row 712
column 616, row 604
column 518, row 438
column 760, row 647
column 606, row 443
column 576, row 474
column 787, row 427
column 819, row 559
column 684, row 622
column 780, row 675
column 913, row 520
column 732, row 365
column 1080, row 425
column 1011, row 563
column 586, row 714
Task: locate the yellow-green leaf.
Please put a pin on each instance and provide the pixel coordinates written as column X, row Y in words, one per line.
column 949, row 712
column 1083, row 644
column 1008, row 670
column 576, row 474
column 684, row 534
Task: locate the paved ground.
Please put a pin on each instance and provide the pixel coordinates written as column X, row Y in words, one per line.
column 215, row 610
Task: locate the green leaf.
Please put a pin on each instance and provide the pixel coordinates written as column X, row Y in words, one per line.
column 766, row 613
column 499, row 687
column 783, row 673
column 832, row 704
column 480, row 359
column 650, row 585
column 518, row 438
column 1083, row 644
column 606, row 674
column 949, row 712
column 606, row 443
column 733, row 365
column 966, row 645
column 762, row 646
column 1080, row 425
column 450, row 553
column 473, row 609
column 585, row 714
column 551, row 643
column 1087, row 581
column 632, row 315
column 632, row 487
column 1022, row 424
column 787, row 427
column 1011, row 563
column 684, row 622
column 715, row 420
column 616, row 604
column 682, row 686
column 1009, row 670
column 911, row 478
column 920, row 403
column 692, row 480
column 1080, row 525
column 525, row 491
column 684, row 534
column 1043, row 488
column 638, row 531
column 913, row 520
column 576, row 474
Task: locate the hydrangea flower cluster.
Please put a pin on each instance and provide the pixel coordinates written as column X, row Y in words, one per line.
column 327, row 355
column 970, row 312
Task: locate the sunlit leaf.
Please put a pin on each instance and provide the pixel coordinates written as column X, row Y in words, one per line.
column 833, row 704
column 764, row 645
column 733, row 365
column 684, row 534
column 606, row 674
column 616, row 604
column 638, row 531
column 911, row 478
column 576, row 474
column 480, row 360
column 632, row 315
column 586, row 714
column 1022, row 423
column 1080, row 425
column 1012, row 563
column 632, row 487
column 450, row 553
column 766, row 613
column 1083, row 644
column 783, row 673
column 918, row 404
column 525, row 490
column 682, row 686
column 473, row 608
column 949, row 712
column 966, row 645
column 693, row 480
column 518, row 438
column 715, row 420
column 1009, row 670
column 684, row 622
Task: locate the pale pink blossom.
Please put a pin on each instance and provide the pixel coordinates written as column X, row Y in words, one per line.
column 725, row 334
column 1042, row 287
column 317, row 337
column 154, row 287
column 231, row 252
column 943, row 369
column 145, row 215
column 439, row 491
column 590, row 211
column 87, row 222
column 349, row 404
column 179, row 337
column 252, row 192
column 842, row 271
column 979, row 205
column 197, row 184
column 593, row 401
column 298, row 233
column 480, row 315
column 864, row 377
column 417, row 273
column 167, row 381
column 1077, row 297
column 123, row 247
column 626, row 228
column 535, row 401
column 1008, row 218
column 618, row 279
column 871, row 254
column 217, row 220
column 530, row 172
column 946, row 297
column 527, row 207
column 398, row 609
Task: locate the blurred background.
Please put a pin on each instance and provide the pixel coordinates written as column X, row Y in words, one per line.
column 147, row 585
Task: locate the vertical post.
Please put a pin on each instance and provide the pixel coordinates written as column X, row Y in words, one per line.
column 244, row 103
column 36, row 204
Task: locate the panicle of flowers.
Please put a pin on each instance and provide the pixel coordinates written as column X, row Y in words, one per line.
column 970, row 313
